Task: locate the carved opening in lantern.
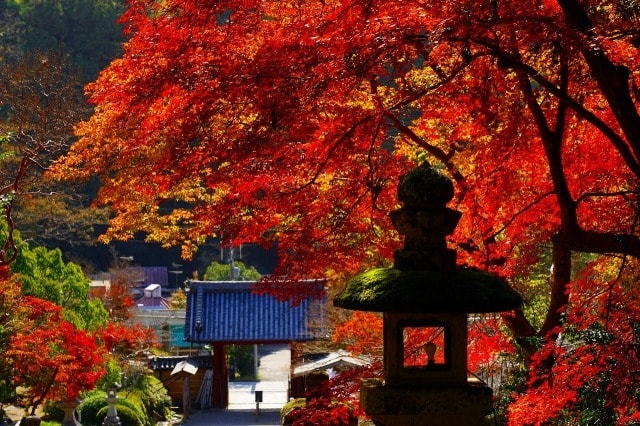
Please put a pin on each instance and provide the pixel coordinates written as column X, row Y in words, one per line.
column 426, row 347
column 410, row 337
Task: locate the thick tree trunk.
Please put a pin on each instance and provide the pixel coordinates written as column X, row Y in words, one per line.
column 560, row 279
column 613, row 80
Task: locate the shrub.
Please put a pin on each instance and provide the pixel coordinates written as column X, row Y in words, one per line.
column 127, row 416
column 146, row 396
column 151, row 397
column 135, row 406
column 90, row 406
column 52, row 412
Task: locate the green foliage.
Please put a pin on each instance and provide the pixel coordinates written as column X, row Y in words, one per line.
column 112, row 375
column 90, row 407
column 153, row 397
column 127, row 415
column 52, row 412
column 87, row 29
column 134, row 405
column 222, row 272
column 240, row 358
column 130, row 409
column 45, row 275
column 147, row 393
column 134, row 376
column 536, row 297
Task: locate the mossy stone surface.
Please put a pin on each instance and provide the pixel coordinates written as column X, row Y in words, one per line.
column 424, row 187
column 462, row 290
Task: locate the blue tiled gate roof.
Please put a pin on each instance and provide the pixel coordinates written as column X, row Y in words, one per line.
column 228, row 311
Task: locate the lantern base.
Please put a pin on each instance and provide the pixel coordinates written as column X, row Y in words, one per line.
column 439, row 405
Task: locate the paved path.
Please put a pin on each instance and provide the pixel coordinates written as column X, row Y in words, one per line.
column 234, row 417
column 242, row 395
column 275, row 361
column 274, row 384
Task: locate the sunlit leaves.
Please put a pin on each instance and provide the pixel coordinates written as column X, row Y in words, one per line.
column 589, row 371
column 51, row 358
column 361, row 334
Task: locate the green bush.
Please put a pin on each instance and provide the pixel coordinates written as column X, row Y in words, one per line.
column 52, row 412
column 134, row 405
column 141, row 386
column 94, row 410
column 90, row 406
column 155, row 398
column 147, row 397
column 127, row 416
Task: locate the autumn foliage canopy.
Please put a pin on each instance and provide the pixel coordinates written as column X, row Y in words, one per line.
column 291, row 122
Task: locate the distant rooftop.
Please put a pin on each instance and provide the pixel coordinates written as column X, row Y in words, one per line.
column 335, row 360
column 153, row 299
column 170, row 362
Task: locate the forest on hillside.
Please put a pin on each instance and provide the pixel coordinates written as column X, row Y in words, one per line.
column 56, row 47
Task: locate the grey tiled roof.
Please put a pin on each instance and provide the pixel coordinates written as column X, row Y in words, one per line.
column 169, row 362
column 229, row 311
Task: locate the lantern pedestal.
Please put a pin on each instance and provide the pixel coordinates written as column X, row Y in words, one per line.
column 69, row 408
column 431, row 406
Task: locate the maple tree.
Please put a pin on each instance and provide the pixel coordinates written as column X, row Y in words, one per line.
column 54, row 342
column 54, row 360
column 12, row 314
column 117, row 297
column 361, row 334
column 40, row 351
column 318, row 407
column 592, row 375
column 291, row 121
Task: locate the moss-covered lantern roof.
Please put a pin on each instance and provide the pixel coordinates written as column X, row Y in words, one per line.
column 461, row 290
column 425, row 277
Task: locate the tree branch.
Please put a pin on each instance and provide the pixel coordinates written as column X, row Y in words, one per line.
column 613, row 80
column 621, row 145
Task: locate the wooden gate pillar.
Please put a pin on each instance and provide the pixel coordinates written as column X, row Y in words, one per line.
column 220, row 376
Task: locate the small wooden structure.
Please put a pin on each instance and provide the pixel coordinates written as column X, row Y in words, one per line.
column 335, row 362
column 182, row 376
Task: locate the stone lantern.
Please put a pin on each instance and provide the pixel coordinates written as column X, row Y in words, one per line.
column 112, row 418
column 425, row 297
